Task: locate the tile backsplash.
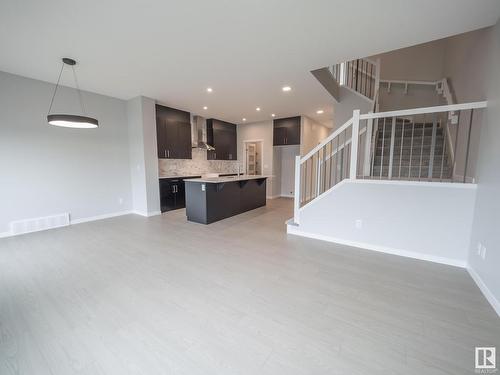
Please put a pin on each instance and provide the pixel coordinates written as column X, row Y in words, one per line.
column 196, row 166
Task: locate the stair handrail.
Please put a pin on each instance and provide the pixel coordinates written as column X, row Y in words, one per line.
column 424, row 110
column 326, row 140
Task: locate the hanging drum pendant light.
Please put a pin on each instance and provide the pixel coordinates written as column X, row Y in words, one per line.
column 71, row 121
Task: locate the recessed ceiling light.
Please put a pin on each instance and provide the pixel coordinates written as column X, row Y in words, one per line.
column 273, row 115
column 209, row 89
column 319, row 111
column 286, row 88
column 257, row 109
column 244, row 119
column 205, row 108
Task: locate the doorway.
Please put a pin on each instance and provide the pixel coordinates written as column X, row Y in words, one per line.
column 253, row 157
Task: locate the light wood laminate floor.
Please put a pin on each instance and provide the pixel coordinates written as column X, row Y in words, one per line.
column 134, row 295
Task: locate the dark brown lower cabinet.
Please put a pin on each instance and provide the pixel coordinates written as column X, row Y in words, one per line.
column 172, row 194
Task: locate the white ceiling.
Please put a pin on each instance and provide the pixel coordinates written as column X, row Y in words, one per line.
column 246, row 50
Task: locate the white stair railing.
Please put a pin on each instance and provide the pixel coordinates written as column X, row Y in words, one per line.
column 361, row 76
column 410, row 146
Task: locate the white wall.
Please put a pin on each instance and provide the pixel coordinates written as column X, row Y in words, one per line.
column 426, row 221
column 486, row 221
column 254, row 132
column 143, row 156
column 48, row 170
column 311, row 134
column 349, row 101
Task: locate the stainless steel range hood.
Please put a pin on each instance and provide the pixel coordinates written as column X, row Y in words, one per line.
column 199, row 134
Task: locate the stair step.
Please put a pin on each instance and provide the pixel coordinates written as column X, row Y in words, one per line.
column 406, row 164
column 414, row 172
column 408, row 146
column 407, row 137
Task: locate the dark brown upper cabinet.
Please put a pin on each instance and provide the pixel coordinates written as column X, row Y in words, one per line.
column 222, row 135
column 173, row 133
column 286, row 131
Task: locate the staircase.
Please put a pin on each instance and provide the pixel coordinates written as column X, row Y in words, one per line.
column 419, row 151
column 409, row 144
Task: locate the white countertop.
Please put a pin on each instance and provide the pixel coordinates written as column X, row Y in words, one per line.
column 217, row 180
column 178, row 176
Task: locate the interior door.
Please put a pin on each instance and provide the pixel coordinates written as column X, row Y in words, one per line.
column 251, row 159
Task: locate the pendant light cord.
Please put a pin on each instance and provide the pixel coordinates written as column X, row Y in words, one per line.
column 79, row 92
column 55, row 90
column 80, row 98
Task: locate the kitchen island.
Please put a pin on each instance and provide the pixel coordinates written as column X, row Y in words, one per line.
column 213, row 199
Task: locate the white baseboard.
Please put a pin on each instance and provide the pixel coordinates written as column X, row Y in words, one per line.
column 287, row 196
column 495, row 303
column 100, row 217
column 293, row 229
column 79, row 221
column 5, row 234
column 272, row 196
column 147, row 214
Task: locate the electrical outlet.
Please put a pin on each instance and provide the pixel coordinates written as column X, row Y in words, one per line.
column 358, row 224
column 120, row 200
column 483, row 252
column 479, row 247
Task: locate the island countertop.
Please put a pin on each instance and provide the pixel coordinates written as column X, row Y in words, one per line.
column 218, row 180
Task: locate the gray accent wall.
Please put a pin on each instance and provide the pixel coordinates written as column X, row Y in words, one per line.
column 47, row 170
column 486, row 219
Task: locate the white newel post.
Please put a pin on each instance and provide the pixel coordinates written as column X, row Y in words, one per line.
column 354, row 145
column 296, row 200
